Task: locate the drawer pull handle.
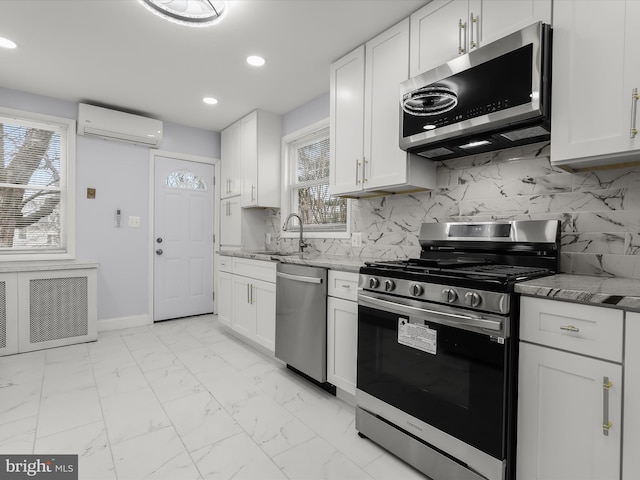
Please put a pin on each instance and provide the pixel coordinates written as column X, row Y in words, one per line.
column 346, row 286
column 570, row 328
column 606, row 423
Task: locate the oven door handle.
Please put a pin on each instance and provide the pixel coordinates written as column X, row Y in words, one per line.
column 444, row 318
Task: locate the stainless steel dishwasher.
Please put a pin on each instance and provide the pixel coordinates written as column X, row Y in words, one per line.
column 301, row 320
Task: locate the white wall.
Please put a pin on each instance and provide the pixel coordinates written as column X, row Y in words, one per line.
column 120, row 174
column 308, row 113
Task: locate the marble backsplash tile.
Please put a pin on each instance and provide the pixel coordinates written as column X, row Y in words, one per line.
column 599, row 211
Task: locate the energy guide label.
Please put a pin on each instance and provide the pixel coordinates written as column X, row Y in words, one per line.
column 417, row 336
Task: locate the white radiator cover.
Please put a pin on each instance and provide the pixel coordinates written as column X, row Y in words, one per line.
column 47, row 308
column 58, row 308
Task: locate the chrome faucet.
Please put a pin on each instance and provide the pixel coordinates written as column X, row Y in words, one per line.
column 301, row 242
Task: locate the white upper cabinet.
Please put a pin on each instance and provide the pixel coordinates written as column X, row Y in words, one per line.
column 230, row 166
column 364, row 120
column 595, row 72
column 347, row 122
column 260, row 146
column 443, row 29
column 250, row 164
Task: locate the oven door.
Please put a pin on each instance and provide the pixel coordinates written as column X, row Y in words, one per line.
column 445, row 367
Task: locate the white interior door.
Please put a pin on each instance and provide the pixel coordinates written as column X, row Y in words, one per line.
column 183, row 238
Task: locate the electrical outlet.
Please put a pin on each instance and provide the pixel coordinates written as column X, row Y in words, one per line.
column 356, row 239
column 134, row 222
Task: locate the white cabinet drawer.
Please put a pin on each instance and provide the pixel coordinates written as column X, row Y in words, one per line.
column 343, row 285
column 257, row 269
column 225, row 264
column 584, row 329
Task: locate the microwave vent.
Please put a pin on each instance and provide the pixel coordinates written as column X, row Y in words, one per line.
column 524, row 133
column 436, row 152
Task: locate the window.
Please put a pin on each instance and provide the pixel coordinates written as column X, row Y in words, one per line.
column 185, row 179
column 307, row 166
column 36, row 206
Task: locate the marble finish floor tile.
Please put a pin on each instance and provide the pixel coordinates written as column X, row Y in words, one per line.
column 173, row 382
column 20, row 400
column 200, row 420
column 63, row 411
column 158, row 454
column 132, row 414
column 317, row 459
column 181, row 399
column 89, row 442
column 18, row 436
column 237, row 458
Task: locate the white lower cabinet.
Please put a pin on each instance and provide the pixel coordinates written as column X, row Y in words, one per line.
column 247, row 300
column 225, row 298
column 631, row 441
column 342, row 330
column 561, row 416
column 569, row 401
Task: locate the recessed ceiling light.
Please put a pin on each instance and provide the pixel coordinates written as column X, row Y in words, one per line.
column 6, row 43
column 255, row 60
column 210, row 100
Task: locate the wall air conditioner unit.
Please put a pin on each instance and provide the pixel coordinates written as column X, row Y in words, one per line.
column 121, row 126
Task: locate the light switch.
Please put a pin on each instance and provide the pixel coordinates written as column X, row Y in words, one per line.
column 134, row 222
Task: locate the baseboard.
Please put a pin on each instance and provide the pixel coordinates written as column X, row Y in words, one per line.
column 123, row 322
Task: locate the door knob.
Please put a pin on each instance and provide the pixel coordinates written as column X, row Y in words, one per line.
column 159, row 251
column 159, row 239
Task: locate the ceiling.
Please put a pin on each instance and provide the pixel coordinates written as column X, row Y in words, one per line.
column 115, row 53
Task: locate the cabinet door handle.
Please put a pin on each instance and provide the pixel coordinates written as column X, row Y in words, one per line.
column 357, row 172
column 253, row 193
column 251, row 296
column 248, row 294
column 606, row 423
column 364, row 167
column 570, row 328
column 634, row 110
column 461, row 27
column 473, row 21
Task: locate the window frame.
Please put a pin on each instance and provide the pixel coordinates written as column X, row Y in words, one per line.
column 289, row 164
column 67, row 128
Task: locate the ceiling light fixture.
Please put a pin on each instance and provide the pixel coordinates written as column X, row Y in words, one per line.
column 194, row 13
column 210, row 100
column 255, row 60
column 6, row 43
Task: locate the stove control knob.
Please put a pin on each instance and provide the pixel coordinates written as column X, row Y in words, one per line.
column 374, row 282
column 472, row 299
column 416, row 289
column 389, row 285
column 449, row 295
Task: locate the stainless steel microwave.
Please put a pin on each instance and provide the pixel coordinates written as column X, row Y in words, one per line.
column 495, row 97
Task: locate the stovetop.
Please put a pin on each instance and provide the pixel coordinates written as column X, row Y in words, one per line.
column 470, row 269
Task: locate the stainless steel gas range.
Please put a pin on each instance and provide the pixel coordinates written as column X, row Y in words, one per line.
column 437, row 346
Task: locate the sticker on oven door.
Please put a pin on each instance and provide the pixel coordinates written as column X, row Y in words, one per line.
column 417, row 336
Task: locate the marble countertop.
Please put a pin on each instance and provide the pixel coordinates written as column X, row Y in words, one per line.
column 347, row 264
column 589, row 289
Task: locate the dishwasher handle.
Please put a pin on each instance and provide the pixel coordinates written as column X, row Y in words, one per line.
column 299, row 278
